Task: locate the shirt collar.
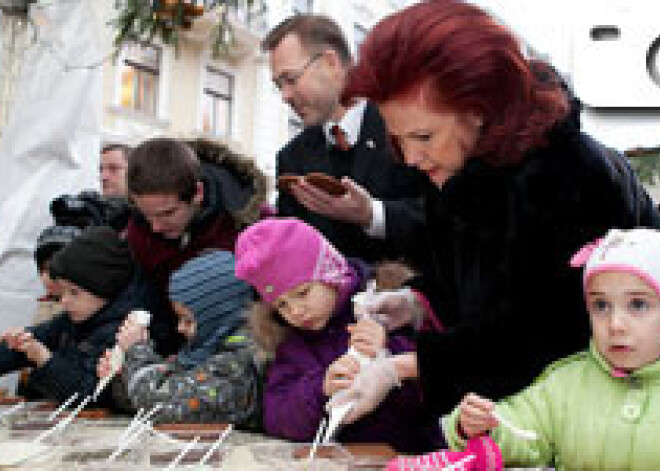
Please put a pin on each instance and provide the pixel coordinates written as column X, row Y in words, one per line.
column 350, row 123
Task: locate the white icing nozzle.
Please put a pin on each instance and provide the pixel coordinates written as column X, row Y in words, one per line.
column 141, row 316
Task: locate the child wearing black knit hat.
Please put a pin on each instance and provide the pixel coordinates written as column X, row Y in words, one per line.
column 51, row 240
column 96, row 274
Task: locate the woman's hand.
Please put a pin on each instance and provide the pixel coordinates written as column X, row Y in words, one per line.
column 369, row 390
column 396, row 309
column 131, row 333
column 406, row 365
column 340, row 374
column 367, row 337
column 476, row 416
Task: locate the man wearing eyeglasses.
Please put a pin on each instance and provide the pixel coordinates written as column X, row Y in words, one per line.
column 309, row 61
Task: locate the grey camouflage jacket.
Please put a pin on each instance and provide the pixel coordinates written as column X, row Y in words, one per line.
column 225, row 388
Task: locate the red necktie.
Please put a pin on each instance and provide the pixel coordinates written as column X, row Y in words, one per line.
column 340, row 137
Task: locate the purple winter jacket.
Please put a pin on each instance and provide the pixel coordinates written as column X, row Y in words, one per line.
column 294, row 399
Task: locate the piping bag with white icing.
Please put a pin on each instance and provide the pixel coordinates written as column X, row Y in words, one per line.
column 337, row 412
column 142, row 318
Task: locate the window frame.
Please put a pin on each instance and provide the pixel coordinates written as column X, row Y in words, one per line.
column 215, row 95
column 141, row 68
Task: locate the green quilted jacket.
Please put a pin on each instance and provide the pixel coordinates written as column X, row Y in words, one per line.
column 586, row 419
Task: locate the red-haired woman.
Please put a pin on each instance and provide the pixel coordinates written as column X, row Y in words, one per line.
column 514, row 189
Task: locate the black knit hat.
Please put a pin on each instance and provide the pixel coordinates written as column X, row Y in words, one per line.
column 52, row 240
column 97, row 260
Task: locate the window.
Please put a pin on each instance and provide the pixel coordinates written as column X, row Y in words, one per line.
column 217, row 98
column 359, row 33
column 140, row 71
column 301, row 7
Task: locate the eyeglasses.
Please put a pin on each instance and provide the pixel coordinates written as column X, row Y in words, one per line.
column 291, row 78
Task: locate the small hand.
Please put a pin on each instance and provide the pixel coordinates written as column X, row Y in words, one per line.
column 131, row 333
column 353, row 207
column 34, row 350
column 476, row 415
column 104, row 365
column 340, row 374
column 11, row 337
column 367, row 337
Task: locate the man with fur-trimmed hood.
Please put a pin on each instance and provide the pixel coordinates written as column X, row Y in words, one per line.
column 189, row 197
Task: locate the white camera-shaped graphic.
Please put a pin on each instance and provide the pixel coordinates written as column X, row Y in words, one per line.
column 616, row 58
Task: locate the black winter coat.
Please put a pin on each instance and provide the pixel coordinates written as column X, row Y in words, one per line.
column 498, row 274
column 77, row 347
column 371, row 164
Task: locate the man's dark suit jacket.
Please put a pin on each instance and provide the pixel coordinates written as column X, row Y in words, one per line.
column 371, row 164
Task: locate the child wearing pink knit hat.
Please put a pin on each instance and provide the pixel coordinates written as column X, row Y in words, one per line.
column 306, row 319
column 600, row 408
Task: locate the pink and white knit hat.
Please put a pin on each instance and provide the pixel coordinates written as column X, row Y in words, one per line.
column 635, row 251
column 278, row 254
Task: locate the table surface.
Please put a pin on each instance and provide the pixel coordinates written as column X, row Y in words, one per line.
column 95, row 436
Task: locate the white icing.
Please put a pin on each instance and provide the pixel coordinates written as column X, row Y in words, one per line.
column 243, row 458
column 14, row 453
column 116, row 360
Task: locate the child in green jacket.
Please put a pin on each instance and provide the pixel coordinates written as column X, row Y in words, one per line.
column 600, row 408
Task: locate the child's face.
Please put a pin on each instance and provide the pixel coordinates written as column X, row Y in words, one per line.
column 186, row 325
column 51, row 286
column 79, row 303
column 307, row 306
column 625, row 319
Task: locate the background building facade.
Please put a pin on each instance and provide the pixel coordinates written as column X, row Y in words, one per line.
column 151, row 90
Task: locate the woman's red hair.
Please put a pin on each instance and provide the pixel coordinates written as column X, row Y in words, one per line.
column 469, row 63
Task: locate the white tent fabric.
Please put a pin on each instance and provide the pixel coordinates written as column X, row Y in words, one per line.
column 50, row 144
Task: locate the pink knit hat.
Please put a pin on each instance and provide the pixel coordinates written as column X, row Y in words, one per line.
column 278, row 254
column 635, row 251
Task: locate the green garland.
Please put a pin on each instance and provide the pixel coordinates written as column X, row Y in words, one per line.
column 139, row 21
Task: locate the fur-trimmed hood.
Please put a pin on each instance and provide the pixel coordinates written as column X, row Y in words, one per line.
column 232, row 182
